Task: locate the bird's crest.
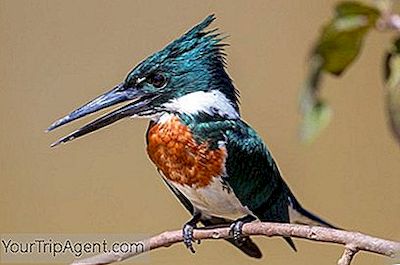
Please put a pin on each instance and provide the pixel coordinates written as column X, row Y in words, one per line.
column 194, row 44
column 196, row 38
column 198, row 57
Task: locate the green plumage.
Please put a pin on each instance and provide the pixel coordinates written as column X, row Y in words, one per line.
column 251, row 171
column 254, row 176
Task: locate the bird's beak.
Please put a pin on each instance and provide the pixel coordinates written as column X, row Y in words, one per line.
column 140, row 102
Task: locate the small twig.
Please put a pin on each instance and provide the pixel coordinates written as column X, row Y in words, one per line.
column 348, row 255
column 353, row 241
column 388, row 20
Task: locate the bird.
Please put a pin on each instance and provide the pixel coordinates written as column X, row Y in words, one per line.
column 214, row 162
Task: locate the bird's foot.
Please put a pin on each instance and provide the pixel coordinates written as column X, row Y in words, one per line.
column 235, row 229
column 187, row 233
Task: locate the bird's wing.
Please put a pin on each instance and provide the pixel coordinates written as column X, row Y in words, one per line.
column 250, row 169
column 247, row 246
column 254, row 176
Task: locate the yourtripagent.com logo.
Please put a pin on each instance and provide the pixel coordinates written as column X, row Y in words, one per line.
column 55, row 248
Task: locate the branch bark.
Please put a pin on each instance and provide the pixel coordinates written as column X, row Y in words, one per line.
column 353, row 241
column 348, row 255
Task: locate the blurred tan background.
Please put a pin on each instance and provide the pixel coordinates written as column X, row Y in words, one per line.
column 57, row 55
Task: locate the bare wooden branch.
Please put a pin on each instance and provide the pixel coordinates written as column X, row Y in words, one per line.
column 353, row 241
column 348, row 255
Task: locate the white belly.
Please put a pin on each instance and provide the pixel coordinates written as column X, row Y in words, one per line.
column 215, row 199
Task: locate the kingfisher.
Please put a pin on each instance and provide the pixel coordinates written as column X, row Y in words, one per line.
column 216, row 165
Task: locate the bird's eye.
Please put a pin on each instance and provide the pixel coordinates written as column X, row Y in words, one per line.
column 158, row 80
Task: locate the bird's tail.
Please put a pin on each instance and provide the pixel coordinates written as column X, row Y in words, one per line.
column 247, row 246
column 299, row 215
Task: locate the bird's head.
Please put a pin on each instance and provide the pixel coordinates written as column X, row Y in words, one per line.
column 187, row 76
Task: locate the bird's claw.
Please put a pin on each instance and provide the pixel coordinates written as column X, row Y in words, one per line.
column 235, row 231
column 187, row 234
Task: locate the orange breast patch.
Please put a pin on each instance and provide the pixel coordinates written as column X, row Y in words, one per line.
column 174, row 151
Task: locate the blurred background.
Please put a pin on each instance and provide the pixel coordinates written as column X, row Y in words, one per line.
column 57, row 55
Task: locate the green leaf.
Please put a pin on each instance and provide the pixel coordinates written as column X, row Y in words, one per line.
column 338, row 45
column 392, row 81
column 314, row 121
column 316, row 113
column 341, row 39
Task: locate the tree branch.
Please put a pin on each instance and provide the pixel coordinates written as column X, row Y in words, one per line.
column 348, row 255
column 353, row 241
